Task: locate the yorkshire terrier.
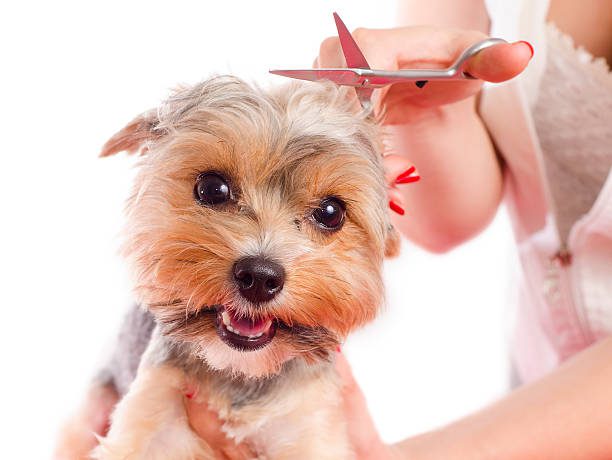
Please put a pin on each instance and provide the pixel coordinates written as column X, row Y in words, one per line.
column 256, row 233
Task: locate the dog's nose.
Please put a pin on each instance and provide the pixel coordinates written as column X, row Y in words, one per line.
column 258, row 279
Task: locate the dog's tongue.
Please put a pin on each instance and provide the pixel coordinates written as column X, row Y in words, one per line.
column 246, row 326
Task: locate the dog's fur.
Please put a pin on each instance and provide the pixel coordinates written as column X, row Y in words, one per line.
column 282, row 151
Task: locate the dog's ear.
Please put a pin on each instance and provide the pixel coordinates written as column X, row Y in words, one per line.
column 392, row 242
column 135, row 136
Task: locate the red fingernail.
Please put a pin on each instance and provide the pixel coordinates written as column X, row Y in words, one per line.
column 338, row 349
column 396, row 207
column 189, row 395
column 407, row 179
column 407, row 172
column 529, row 45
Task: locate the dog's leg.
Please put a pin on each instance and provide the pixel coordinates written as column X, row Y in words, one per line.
column 150, row 422
column 78, row 436
column 323, row 433
column 320, row 434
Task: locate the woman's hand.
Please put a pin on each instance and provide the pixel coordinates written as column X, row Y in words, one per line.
column 427, row 47
column 363, row 436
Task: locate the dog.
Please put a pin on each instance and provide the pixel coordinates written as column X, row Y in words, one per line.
column 256, row 233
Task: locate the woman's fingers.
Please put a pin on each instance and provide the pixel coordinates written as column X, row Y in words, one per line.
column 426, row 47
column 330, row 54
column 429, row 47
column 404, row 102
column 399, row 171
column 500, row 62
column 362, row 431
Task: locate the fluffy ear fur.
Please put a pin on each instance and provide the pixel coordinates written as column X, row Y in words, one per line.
column 393, row 242
column 134, row 136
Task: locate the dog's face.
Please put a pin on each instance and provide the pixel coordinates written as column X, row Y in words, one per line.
column 258, row 223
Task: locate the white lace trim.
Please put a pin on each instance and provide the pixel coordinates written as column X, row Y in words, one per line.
column 596, row 66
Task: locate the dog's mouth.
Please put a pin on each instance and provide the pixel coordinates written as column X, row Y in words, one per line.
column 311, row 342
column 244, row 334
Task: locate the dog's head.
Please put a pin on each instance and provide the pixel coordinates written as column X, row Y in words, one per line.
column 258, row 222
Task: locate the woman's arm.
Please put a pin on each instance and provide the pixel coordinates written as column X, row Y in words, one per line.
column 565, row 415
column 462, row 181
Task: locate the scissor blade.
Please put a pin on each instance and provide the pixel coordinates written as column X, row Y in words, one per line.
column 338, row 76
column 353, row 55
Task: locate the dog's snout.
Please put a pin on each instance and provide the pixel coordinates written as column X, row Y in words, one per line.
column 258, row 279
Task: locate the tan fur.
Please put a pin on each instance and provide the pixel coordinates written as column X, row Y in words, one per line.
column 282, row 152
column 305, row 422
column 150, row 421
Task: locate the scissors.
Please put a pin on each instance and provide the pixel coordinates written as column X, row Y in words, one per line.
column 359, row 74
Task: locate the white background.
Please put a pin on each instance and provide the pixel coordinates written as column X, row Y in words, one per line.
column 74, row 73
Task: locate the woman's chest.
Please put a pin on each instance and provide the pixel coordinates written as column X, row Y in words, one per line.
column 588, row 22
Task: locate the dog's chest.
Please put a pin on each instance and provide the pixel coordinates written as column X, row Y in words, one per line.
column 273, row 415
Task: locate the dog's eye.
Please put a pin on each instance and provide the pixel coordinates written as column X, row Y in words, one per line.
column 211, row 189
column 330, row 213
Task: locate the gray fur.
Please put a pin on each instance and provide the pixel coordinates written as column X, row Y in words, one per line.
column 132, row 340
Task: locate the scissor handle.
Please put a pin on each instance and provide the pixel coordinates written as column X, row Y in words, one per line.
column 457, row 66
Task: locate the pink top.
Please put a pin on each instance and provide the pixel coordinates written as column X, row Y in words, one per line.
column 565, row 303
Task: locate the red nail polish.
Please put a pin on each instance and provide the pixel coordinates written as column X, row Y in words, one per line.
column 407, row 172
column 529, row 45
column 189, row 395
column 407, row 179
column 396, row 207
column 338, row 349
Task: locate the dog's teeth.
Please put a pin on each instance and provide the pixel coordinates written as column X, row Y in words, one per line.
column 226, row 318
column 231, row 329
column 227, row 322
